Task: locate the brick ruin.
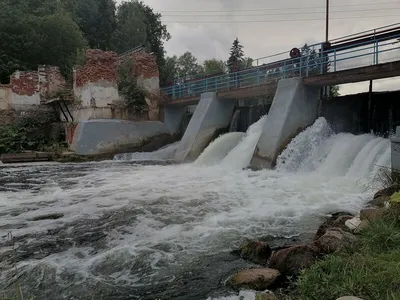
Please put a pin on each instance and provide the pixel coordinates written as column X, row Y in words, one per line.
column 27, row 90
column 100, row 66
column 101, row 72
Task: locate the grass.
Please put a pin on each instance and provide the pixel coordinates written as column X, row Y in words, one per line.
column 371, row 271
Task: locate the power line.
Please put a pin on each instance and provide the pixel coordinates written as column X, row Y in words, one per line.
column 282, row 14
column 272, row 21
column 291, row 8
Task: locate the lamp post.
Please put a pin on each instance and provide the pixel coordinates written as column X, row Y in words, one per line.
column 327, row 21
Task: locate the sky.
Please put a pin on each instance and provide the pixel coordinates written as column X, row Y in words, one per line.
column 207, row 28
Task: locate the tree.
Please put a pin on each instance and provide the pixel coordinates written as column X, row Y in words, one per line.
column 131, row 29
column 30, row 39
column 235, row 61
column 187, row 67
column 247, row 63
column 137, row 24
column 96, row 19
column 169, row 72
column 214, row 66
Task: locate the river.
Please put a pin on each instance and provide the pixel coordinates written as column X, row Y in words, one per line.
column 123, row 229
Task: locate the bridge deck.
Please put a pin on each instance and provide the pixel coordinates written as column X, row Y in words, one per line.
column 386, row 70
column 234, row 94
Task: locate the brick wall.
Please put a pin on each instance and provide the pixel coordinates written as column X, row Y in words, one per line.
column 24, row 83
column 51, row 81
column 100, row 66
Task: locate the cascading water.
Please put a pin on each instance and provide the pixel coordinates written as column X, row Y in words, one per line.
column 116, row 231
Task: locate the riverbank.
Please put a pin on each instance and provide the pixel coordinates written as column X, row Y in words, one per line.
column 349, row 256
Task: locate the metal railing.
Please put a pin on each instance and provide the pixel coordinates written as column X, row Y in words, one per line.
column 365, row 53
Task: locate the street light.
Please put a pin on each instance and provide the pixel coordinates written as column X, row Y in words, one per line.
column 327, row 21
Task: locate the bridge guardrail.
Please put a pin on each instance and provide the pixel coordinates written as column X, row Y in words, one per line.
column 342, row 58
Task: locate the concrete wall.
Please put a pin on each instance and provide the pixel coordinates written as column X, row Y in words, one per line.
column 97, row 94
column 395, row 147
column 5, row 97
column 113, row 136
column 295, row 106
column 211, row 115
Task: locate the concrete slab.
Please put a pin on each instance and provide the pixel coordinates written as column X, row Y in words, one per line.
column 211, row 116
column 295, row 107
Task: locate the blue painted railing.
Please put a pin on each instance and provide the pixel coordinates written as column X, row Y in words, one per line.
column 357, row 55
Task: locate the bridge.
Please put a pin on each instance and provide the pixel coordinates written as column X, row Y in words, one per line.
column 369, row 55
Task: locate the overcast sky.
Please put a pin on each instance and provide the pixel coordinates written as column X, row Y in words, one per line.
column 207, row 28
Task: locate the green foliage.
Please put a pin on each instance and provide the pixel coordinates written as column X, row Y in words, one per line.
column 236, row 58
column 213, row 66
column 30, row 133
column 370, row 271
column 134, row 95
column 96, row 19
column 44, row 35
column 187, row 67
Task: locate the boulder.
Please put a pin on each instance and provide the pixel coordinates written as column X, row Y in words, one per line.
column 372, row 214
column 266, row 296
column 255, row 279
column 353, row 223
column 292, row 260
column 348, row 298
column 335, row 239
column 336, row 220
column 254, row 251
column 386, row 192
column 379, row 201
column 364, row 224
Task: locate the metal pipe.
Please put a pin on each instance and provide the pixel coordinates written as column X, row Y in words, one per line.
column 327, row 22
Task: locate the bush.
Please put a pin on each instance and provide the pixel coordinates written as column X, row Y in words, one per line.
column 134, row 95
column 30, row 133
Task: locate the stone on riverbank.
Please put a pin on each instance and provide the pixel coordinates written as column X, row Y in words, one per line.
column 266, row 296
column 337, row 220
column 364, row 224
column 372, row 214
column 334, row 240
column 379, row 201
column 352, row 224
column 255, row 279
column 254, row 251
column 292, row 260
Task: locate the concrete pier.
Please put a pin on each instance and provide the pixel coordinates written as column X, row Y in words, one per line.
column 211, row 116
column 295, row 107
column 395, row 150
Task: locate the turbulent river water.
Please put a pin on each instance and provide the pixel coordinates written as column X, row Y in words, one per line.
column 126, row 230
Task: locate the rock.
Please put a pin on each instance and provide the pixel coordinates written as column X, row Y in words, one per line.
column 255, row 279
column 386, row 192
column 292, row 260
column 372, row 214
column 266, row 296
column 364, row 224
column 379, row 201
column 254, row 251
column 48, row 217
column 335, row 239
column 337, row 220
column 352, row 224
column 348, row 298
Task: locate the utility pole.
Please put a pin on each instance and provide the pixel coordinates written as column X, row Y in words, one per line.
column 327, row 21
